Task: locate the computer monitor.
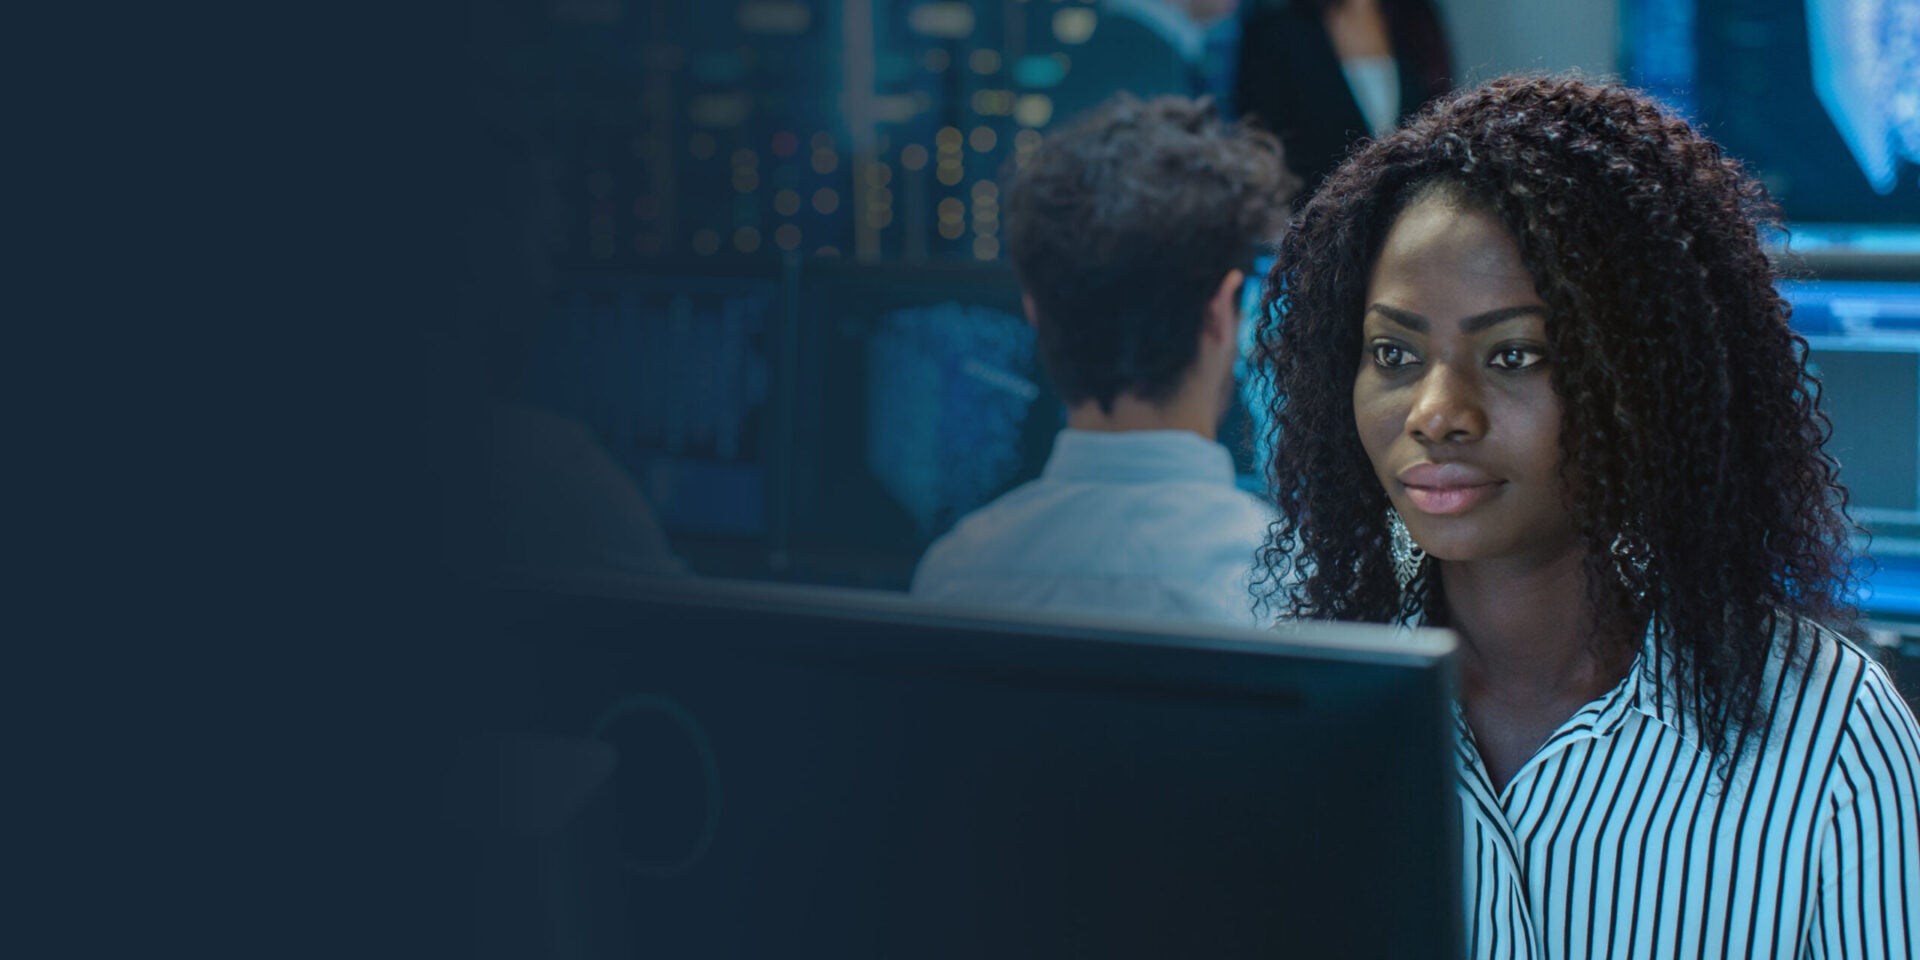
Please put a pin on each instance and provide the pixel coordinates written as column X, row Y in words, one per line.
column 1807, row 93
column 921, row 398
column 676, row 370
column 760, row 770
column 1864, row 345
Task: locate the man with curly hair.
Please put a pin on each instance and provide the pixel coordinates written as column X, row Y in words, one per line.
column 1537, row 385
column 1128, row 231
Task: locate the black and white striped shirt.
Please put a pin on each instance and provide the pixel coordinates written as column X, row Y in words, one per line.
column 1618, row 839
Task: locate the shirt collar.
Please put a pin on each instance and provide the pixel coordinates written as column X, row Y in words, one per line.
column 1641, row 690
column 1653, row 688
column 1650, row 687
column 1137, row 456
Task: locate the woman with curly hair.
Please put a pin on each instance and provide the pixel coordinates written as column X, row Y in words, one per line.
column 1535, row 384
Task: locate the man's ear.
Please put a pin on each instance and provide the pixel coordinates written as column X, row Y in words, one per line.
column 1222, row 324
column 1026, row 303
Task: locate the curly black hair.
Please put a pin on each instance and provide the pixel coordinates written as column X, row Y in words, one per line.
column 1691, row 431
column 1122, row 225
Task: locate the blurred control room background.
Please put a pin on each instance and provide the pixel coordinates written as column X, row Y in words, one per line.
column 758, row 296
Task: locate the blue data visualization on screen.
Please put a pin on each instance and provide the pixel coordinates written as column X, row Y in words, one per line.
column 948, row 390
column 1819, row 98
column 921, row 399
column 672, row 375
column 1866, row 72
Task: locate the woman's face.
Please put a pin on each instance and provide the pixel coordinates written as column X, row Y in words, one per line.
column 1452, row 396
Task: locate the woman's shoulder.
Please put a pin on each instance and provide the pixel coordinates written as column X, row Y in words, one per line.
column 1828, row 689
column 1808, row 653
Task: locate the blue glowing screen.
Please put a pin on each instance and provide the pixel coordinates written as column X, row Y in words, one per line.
column 1255, row 396
column 672, row 377
column 948, row 394
column 1866, row 72
column 1820, row 99
column 920, row 400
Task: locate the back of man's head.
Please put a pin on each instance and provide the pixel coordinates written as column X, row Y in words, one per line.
column 1121, row 228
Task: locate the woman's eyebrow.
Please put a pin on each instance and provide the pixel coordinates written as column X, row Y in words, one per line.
column 1473, row 324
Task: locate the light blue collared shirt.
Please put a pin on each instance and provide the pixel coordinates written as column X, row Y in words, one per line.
column 1144, row 522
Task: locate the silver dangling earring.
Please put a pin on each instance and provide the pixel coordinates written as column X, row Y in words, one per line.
column 1407, row 555
column 1630, row 562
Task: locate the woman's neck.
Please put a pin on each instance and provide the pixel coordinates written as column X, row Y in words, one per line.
column 1528, row 658
column 1527, row 632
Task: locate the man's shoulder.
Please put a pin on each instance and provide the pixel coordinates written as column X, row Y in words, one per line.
column 993, row 523
column 1205, row 504
column 1111, row 529
column 1216, row 507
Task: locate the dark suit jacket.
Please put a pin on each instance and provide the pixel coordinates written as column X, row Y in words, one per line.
column 1290, row 78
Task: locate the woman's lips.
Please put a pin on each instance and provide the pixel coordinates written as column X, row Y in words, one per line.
column 1447, row 488
column 1444, row 501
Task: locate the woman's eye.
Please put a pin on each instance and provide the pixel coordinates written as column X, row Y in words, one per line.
column 1516, row 358
column 1389, row 356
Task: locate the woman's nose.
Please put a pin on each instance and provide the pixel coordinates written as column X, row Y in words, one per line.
column 1446, row 408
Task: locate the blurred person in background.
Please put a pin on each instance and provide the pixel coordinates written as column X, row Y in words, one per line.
column 525, row 489
column 1323, row 74
column 1129, row 231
